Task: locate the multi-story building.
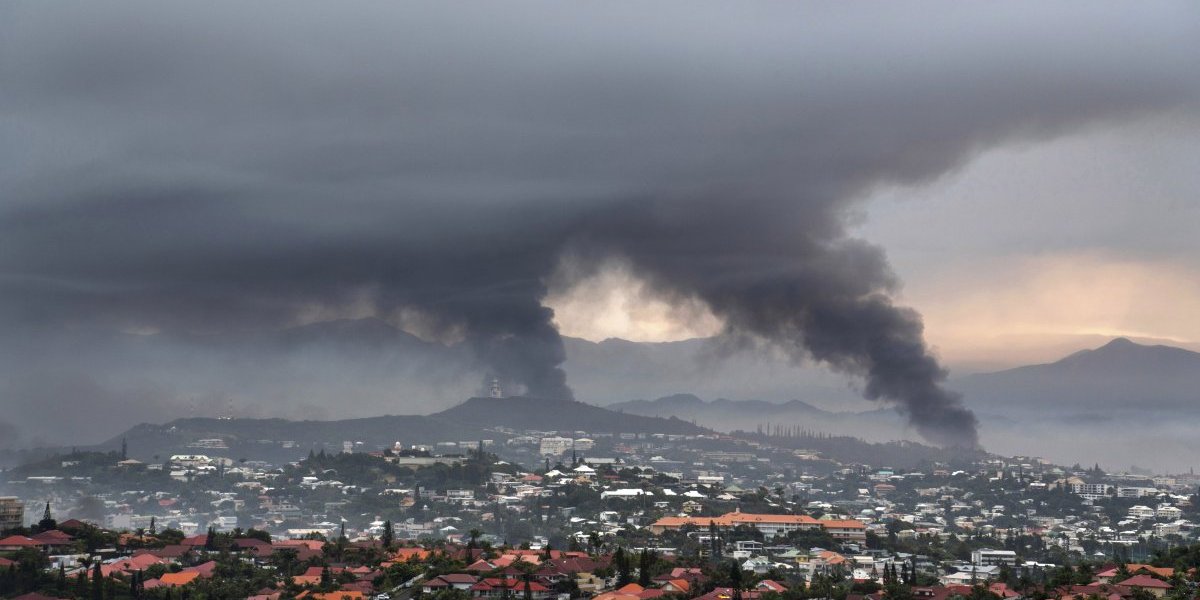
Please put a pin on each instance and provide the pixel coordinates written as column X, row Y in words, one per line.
column 1141, row 512
column 12, row 512
column 1167, row 511
column 1135, row 492
column 985, row 557
column 555, row 446
column 1092, row 491
column 770, row 525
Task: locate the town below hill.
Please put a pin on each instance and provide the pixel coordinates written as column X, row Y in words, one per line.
column 664, row 516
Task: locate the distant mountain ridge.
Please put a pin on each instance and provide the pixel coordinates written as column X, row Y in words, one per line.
column 722, row 414
column 688, row 405
column 472, row 420
column 1118, row 376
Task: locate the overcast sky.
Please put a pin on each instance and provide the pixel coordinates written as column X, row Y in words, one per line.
column 824, row 178
column 1030, row 251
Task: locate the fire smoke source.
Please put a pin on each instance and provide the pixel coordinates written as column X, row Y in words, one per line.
column 212, row 169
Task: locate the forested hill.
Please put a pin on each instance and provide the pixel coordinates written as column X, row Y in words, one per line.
column 847, row 450
column 521, row 413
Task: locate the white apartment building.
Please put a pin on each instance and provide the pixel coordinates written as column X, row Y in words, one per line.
column 985, row 557
column 1141, row 512
column 555, row 446
column 1136, row 492
column 1166, row 511
column 1091, row 491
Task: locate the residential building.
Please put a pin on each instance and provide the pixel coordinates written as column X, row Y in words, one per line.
column 770, row 525
column 555, row 446
column 12, row 512
column 985, row 557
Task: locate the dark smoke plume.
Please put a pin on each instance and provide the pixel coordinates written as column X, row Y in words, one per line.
column 236, row 167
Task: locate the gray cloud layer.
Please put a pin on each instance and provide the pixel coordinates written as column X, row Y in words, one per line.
column 231, row 166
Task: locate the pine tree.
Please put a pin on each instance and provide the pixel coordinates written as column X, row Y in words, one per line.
column 735, row 580
column 714, row 541
column 8, row 582
column 97, row 582
column 645, row 562
column 622, row 563
column 389, row 535
column 81, row 584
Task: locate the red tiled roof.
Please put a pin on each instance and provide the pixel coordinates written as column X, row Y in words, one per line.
column 53, row 537
column 35, row 596
column 459, row 578
column 168, row 551
column 1145, row 581
column 204, row 569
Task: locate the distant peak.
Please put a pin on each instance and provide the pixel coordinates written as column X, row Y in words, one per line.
column 1121, row 342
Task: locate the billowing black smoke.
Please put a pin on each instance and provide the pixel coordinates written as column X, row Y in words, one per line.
column 225, row 168
column 781, row 270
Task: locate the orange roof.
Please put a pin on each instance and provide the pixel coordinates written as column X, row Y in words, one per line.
column 310, row 544
column 630, row 588
column 843, row 524
column 180, row 578
column 831, row 557
column 1135, row 567
column 136, row 563
column 734, row 519
column 403, row 554
column 616, row 596
column 340, row 595
column 680, row 584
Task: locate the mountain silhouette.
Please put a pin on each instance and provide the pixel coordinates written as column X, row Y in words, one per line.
column 1118, row 376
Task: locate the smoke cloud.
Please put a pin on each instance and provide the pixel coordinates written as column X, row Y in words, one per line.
column 215, row 169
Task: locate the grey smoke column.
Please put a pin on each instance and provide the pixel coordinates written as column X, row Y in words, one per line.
column 229, row 167
column 781, row 270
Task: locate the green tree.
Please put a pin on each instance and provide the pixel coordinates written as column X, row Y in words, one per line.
column 735, row 580
column 97, row 582
column 389, row 535
column 645, row 568
column 621, row 562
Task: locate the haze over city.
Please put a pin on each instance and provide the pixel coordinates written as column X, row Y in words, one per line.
column 655, row 300
column 220, row 210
